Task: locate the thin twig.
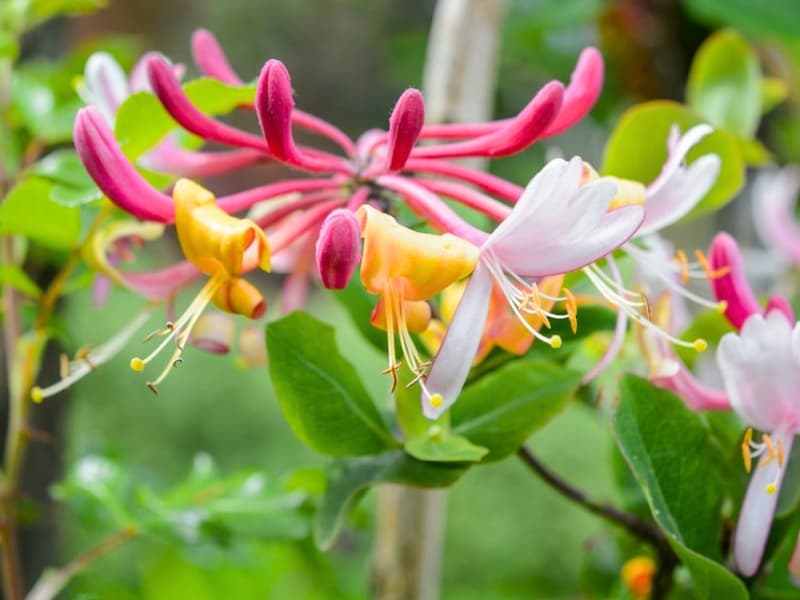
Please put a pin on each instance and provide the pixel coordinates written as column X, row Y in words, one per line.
column 644, row 530
column 52, row 582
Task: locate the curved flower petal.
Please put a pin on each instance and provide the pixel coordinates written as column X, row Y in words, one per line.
column 584, row 88
column 452, row 363
column 678, row 189
column 761, row 370
column 775, row 197
column 210, row 58
column 104, row 85
column 758, row 508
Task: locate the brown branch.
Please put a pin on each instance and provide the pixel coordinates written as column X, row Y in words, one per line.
column 640, row 528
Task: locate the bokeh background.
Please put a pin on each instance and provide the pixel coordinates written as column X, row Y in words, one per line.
column 508, row 536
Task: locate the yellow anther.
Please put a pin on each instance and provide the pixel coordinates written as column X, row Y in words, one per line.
column 748, row 436
column 780, row 453
column 63, row 365
column 771, row 488
column 572, row 310
column 137, row 364
column 648, row 311
column 37, row 395
column 392, row 370
column 437, row 400
column 700, row 345
column 680, row 256
column 748, row 461
column 722, row 306
column 555, row 341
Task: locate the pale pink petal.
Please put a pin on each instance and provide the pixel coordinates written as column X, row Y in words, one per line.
column 774, row 201
column 782, row 305
column 168, row 157
column 758, row 508
column 453, row 361
column 105, row 85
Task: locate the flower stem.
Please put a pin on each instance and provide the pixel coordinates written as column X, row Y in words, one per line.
column 644, row 530
column 53, row 582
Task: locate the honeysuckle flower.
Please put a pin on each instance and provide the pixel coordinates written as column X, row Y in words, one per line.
column 557, row 226
column 381, row 168
column 672, row 195
column 406, row 268
column 222, row 247
column 761, row 371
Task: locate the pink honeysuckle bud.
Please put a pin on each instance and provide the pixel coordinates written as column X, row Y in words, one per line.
column 210, row 58
column 582, row 92
column 338, row 250
column 405, row 124
column 515, row 134
column 168, row 90
column 275, row 106
column 732, row 287
column 113, row 174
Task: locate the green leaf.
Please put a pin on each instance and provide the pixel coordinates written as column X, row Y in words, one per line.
column 40, row 105
column 73, row 186
column 9, row 48
column 637, row 149
column 319, row 392
column 773, row 92
column 142, row 121
column 501, row 410
column 28, row 211
column 351, row 478
column 359, row 305
column 19, row 280
column 440, row 445
column 43, row 9
column 776, row 18
column 725, row 84
column 677, row 464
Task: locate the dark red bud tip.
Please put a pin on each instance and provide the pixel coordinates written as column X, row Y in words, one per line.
column 338, row 249
column 274, row 105
column 405, row 125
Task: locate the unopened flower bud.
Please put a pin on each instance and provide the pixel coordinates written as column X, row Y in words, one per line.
column 240, row 297
column 338, row 250
column 405, row 125
column 214, row 333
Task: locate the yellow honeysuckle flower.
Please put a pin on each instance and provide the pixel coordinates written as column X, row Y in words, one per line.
column 221, row 246
column 405, row 268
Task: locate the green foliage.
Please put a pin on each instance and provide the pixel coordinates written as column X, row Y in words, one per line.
column 678, row 467
column 142, row 121
column 205, row 508
column 502, row 409
column 28, row 210
column 319, row 392
column 442, row 445
column 351, row 478
column 631, row 155
column 777, row 18
column 19, row 280
column 725, row 84
column 72, row 185
column 42, row 102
